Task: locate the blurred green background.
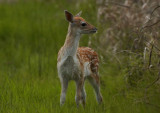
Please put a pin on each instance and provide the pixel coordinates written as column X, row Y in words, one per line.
column 31, row 33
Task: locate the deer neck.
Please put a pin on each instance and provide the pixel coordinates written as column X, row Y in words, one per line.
column 72, row 42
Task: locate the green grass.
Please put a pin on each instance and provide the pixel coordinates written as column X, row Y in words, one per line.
column 31, row 34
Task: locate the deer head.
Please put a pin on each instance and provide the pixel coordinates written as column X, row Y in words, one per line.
column 78, row 24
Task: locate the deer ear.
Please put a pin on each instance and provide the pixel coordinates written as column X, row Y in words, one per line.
column 79, row 14
column 69, row 16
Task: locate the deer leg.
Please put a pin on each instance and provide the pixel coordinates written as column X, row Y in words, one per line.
column 64, row 86
column 83, row 96
column 95, row 82
column 79, row 87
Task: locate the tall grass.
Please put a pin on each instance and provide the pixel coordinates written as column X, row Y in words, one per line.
column 31, row 33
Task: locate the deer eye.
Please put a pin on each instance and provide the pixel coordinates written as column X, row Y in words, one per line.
column 83, row 24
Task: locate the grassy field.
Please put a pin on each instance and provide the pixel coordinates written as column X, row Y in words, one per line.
column 31, row 34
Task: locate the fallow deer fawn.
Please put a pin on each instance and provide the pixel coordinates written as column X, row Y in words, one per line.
column 78, row 63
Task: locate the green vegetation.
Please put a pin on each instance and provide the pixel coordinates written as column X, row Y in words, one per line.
column 31, row 33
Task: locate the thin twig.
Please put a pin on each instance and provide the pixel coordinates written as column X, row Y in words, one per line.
column 151, row 19
column 155, row 9
column 152, row 44
column 151, row 25
column 127, row 51
column 150, row 56
column 119, row 4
